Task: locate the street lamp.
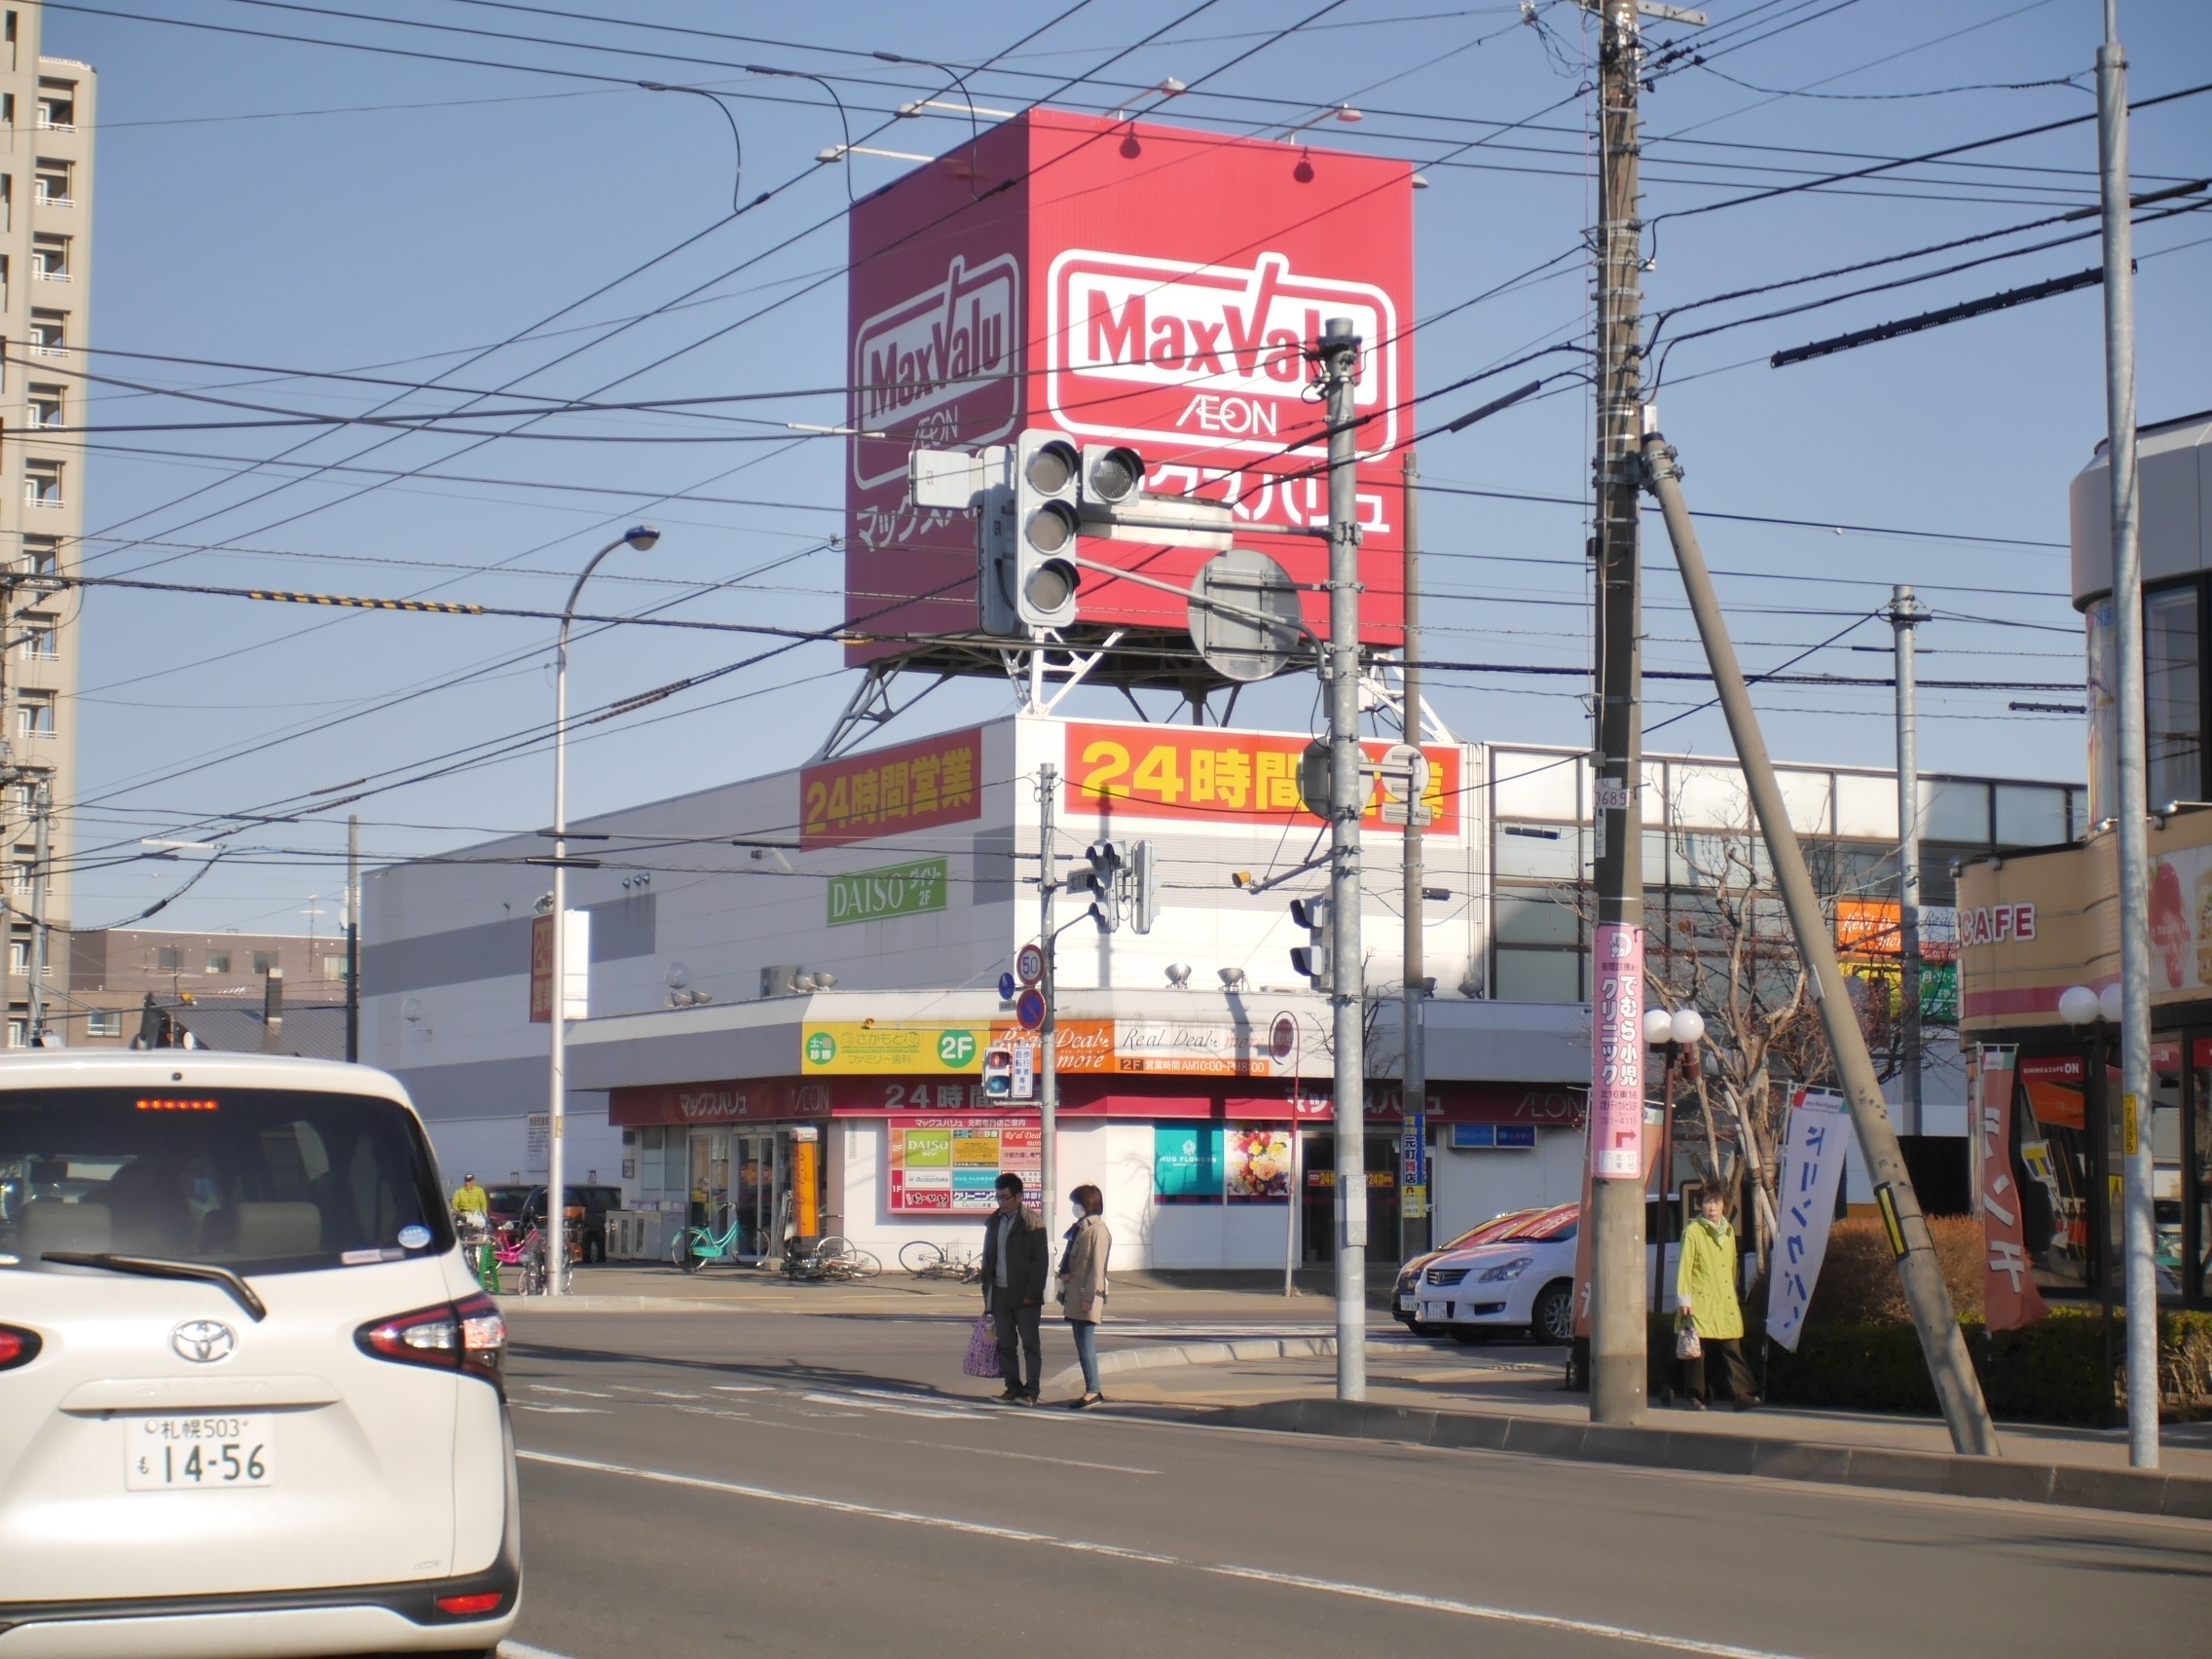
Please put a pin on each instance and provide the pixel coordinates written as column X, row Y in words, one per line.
column 642, row 537
column 1674, row 1030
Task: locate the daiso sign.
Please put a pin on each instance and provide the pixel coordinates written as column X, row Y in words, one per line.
column 1128, row 284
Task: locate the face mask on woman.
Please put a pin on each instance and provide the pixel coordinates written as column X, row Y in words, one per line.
column 1076, row 1206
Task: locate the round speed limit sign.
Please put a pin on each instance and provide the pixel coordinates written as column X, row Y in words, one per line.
column 1029, row 964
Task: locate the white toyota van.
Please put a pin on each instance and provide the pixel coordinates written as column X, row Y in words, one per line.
column 250, row 1396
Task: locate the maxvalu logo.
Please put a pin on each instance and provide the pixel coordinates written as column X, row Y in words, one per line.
column 1219, row 349
column 930, row 350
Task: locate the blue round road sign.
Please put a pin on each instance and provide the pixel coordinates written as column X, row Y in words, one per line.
column 1006, row 987
column 1030, row 1010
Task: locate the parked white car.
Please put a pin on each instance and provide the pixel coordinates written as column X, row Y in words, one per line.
column 1520, row 1279
column 250, row 1395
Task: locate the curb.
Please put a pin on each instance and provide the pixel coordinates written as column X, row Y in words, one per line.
column 606, row 1305
column 2133, row 1492
column 1152, row 1354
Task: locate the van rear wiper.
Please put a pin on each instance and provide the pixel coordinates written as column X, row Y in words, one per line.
column 160, row 1266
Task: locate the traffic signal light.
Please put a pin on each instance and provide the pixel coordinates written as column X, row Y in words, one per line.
column 1144, row 886
column 1102, row 880
column 1311, row 958
column 1047, row 517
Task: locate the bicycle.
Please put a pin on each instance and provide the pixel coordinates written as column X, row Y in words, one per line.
column 833, row 1258
column 927, row 1260
column 479, row 1248
column 695, row 1246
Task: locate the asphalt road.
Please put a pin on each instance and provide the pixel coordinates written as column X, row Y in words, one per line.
column 698, row 1484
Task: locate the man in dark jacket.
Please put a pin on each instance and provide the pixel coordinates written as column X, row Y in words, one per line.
column 1016, row 1258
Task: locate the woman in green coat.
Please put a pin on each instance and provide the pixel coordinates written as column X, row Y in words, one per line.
column 1705, row 1290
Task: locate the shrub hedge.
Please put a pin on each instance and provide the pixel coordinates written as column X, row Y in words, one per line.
column 2052, row 1371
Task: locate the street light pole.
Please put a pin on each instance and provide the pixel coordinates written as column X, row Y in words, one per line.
column 642, row 537
column 2131, row 771
column 1905, row 615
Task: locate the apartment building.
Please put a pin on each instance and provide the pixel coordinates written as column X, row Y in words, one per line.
column 46, row 219
column 96, row 991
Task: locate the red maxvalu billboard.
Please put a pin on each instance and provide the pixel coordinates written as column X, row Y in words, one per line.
column 1123, row 282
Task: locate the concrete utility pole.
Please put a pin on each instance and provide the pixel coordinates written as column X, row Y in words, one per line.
column 2130, row 779
column 1348, row 973
column 1617, row 1328
column 354, row 937
column 1049, row 1034
column 1957, row 1388
column 1905, row 613
column 1414, row 1232
column 41, row 813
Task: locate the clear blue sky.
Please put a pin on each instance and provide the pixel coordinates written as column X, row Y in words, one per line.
column 295, row 206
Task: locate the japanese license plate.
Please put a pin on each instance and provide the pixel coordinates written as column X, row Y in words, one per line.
column 1432, row 1312
column 204, row 1452
column 1405, row 1304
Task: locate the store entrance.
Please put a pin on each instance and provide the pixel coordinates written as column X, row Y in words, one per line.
column 1318, row 1225
column 738, row 1178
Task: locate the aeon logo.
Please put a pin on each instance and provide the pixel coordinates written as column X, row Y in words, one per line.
column 1211, row 356
column 914, row 360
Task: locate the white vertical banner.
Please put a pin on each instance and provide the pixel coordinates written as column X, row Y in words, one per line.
column 1812, row 1163
column 575, row 966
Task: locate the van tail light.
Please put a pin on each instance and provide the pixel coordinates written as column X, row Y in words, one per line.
column 469, row 1335
column 467, row 1607
column 17, row 1346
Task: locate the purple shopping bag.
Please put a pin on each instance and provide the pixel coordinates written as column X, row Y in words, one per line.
column 982, row 1350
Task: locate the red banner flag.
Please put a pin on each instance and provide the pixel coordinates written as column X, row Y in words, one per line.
column 2010, row 1297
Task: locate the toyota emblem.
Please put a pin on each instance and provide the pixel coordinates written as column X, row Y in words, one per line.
column 204, row 1340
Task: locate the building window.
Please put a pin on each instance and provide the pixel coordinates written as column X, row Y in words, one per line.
column 2173, row 660
column 41, row 556
column 51, row 182
column 264, row 961
column 42, row 483
column 45, row 406
column 57, row 106
column 34, row 714
column 218, row 962
column 334, row 968
column 18, row 956
column 50, row 259
column 169, row 959
column 104, row 1023
column 39, row 639
column 18, row 1033
column 20, row 873
column 49, row 333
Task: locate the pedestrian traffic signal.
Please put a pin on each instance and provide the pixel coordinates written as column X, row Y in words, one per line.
column 1311, row 958
column 1047, row 517
column 1143, row 880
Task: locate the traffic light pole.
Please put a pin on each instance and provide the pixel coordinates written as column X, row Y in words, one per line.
column 1047, row 1055
column 1905, row 615
column 1618, row 1326
column 1338, row 354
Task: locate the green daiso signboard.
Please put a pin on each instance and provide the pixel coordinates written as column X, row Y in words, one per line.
column 897, row 890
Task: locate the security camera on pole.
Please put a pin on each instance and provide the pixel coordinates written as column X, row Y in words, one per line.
column 1337, row 359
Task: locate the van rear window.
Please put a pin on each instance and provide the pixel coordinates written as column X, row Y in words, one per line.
column 253, row 1179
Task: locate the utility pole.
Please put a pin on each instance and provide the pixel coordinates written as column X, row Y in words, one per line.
column 1957, row 1390
column 1338, row 354
column 42, row 812
column 354, row 937
column 1414, row 1232
column 1048, row 1058
column 1905, row 613
column 1617, row 1328
column 2134, row 852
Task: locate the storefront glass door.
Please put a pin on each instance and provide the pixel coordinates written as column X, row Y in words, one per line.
column 710, row 1179
column 757, row 1184
column 2055, row 1166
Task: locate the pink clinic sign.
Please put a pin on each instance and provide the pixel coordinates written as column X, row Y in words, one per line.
column 1616, row 1053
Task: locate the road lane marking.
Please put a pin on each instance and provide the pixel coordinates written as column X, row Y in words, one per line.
column 742, row 1388
column 512, row 1649
column 882, row 1405
column 556, row 1388
column 1219, row 1570
column 561, row 1411
column 656, row 1393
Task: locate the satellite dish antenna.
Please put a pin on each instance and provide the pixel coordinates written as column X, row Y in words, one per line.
column 1244, row 617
